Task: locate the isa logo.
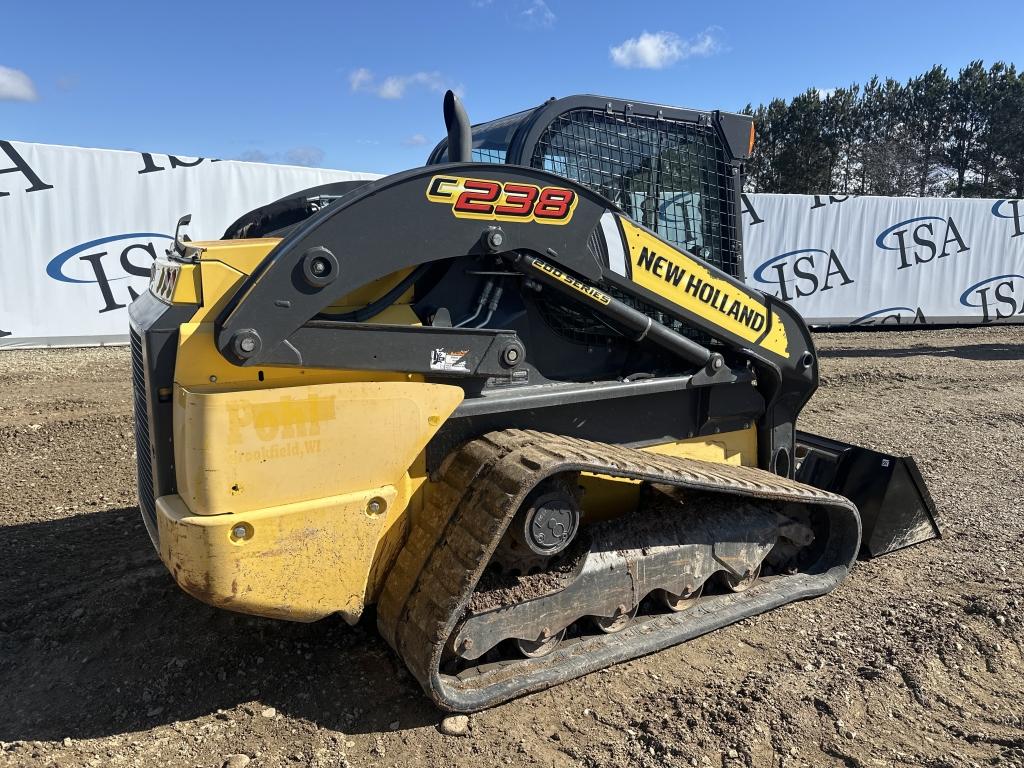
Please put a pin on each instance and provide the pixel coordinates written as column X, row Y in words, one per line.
column 803, row 272
column 893, row 316
column 105, row 262
column 922, row 240
column 1013, row 210
column 999, row 298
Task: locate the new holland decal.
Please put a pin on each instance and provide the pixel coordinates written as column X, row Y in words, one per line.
column 660, row 268
column 491, row 200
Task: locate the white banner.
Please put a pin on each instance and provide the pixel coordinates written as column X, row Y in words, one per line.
column 888, row 260
column 80, row 227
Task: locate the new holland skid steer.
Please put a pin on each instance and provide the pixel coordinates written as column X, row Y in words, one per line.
column 519, row 398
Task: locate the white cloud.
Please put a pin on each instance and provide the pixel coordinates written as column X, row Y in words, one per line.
column 255, row 156
column 395, row 86
column 312, row 157
column 15, row 85
column 824, row 93
column 658, row 50
column 416, row 140
column 539, row 14
column 704, row 44
column 360, row 79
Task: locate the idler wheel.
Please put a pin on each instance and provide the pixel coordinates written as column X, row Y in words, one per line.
column 549, row 518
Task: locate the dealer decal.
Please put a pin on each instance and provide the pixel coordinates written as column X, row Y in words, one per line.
column 491, row 200
column 688, row 282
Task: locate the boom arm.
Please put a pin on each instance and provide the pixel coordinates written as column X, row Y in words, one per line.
column 551, row 229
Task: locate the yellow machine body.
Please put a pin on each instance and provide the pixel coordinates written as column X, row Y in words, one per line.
column 295, row 488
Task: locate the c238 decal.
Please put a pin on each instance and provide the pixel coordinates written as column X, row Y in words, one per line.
column 491, row 200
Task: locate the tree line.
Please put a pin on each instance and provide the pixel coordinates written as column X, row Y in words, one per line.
column 933, row 135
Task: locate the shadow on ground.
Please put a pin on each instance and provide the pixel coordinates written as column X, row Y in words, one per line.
column 966, row 352
column 97, row 640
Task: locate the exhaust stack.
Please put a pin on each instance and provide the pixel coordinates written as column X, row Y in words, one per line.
column 456, row 121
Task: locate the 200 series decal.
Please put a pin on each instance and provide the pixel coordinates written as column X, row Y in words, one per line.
column 492, row 200
column 578, row 285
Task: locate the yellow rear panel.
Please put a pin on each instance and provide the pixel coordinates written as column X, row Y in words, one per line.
column 248, row 449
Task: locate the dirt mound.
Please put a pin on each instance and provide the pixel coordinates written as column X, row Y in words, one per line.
column 916, row 660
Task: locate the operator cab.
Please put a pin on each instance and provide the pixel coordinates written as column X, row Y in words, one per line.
column 676, row 171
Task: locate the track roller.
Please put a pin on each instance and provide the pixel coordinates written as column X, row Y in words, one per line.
column 612, row 624
column 740, row 583
column 542, row 646
column 677, row 603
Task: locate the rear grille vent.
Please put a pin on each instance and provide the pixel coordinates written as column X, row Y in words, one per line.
column 147, row 500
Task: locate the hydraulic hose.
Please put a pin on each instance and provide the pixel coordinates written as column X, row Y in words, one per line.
column 379, row 305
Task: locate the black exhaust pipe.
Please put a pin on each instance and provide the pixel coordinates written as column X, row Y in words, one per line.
column 460, row 137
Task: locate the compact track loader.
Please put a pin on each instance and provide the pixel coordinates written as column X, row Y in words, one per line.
column 518, row 398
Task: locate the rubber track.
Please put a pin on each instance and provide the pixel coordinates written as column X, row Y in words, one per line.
column 480, row 488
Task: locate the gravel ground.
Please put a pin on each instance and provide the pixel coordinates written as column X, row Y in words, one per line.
column 916, row 660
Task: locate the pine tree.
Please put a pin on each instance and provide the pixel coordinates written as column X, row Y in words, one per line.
column 1010, row 119
column 805, row 159
column 887, row 165
column 1000, row 144
column 842, row 116
column 966, row 124
column 926, row 123
column 769, row 139
column 931, row 135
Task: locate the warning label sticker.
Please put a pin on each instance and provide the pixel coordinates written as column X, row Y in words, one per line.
column 449, row 360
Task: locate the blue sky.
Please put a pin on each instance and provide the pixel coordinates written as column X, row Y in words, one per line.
column 358, row 85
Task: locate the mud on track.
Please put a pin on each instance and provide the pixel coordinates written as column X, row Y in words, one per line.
column 916, row 660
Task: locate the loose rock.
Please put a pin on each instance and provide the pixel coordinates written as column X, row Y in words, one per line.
column 456, row 725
